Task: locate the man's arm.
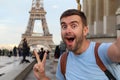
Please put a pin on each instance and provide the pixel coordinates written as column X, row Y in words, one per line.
column 114, row 51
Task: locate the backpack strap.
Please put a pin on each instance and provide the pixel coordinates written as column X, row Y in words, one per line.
column 63, row 62
column 101, row 65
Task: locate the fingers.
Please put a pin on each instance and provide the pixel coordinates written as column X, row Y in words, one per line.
column 44, row 58
column 36, row 71
column 37, row 56
column 35, row 68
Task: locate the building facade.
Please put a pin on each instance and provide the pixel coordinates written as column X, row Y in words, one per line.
column 102, row 19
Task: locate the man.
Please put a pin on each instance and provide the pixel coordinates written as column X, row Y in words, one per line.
column 25, row 52
column 81, row 63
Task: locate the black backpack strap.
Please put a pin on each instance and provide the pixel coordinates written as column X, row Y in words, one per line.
column 101, row 65
column 63, row 62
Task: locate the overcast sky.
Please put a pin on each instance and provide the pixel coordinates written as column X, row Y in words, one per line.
column 14, row 16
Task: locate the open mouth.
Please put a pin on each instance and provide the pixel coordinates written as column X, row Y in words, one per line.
column 70, row 39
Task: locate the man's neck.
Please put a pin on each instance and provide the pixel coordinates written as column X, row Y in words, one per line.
column 83, row 48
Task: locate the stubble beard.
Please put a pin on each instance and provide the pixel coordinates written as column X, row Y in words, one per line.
column 77, row 44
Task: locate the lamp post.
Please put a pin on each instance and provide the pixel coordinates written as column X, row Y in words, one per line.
column 78, row 5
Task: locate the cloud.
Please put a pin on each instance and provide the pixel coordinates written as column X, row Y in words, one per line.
column 3, row 28
column 55, row 6
column 6, row 20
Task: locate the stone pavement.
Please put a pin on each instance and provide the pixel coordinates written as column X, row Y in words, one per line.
column 11, row 69
column 50, row 70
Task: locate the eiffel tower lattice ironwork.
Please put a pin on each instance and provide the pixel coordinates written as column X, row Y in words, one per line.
column 38, row 13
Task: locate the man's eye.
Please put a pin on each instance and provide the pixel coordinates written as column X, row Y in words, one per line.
column 64, row 26
column 74, row 26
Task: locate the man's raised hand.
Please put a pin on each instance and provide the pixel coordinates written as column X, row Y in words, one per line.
column 39, row 67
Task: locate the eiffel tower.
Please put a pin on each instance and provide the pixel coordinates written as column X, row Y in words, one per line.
column 37, row 13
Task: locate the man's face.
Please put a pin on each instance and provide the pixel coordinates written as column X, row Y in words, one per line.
column 72, row 32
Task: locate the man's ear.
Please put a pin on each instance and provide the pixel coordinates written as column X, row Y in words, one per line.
column 85, row 30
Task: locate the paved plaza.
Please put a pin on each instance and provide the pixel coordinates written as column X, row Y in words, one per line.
column 50, row 71
column 10, row 68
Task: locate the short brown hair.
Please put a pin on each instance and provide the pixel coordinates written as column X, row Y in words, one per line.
column 71, row 12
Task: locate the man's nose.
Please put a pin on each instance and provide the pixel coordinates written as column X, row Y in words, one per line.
column 69, row 29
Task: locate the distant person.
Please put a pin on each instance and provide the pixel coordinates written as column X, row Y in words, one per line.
column 10, row 53
column 81, row 63
column 48, row 54
column 25, row 51
column 41, row 53
column 57, row 52
column 62, row 48
column 15, row 51
column 19, row 51
column 28, row 51
column 0, row 52
column 3, row 52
